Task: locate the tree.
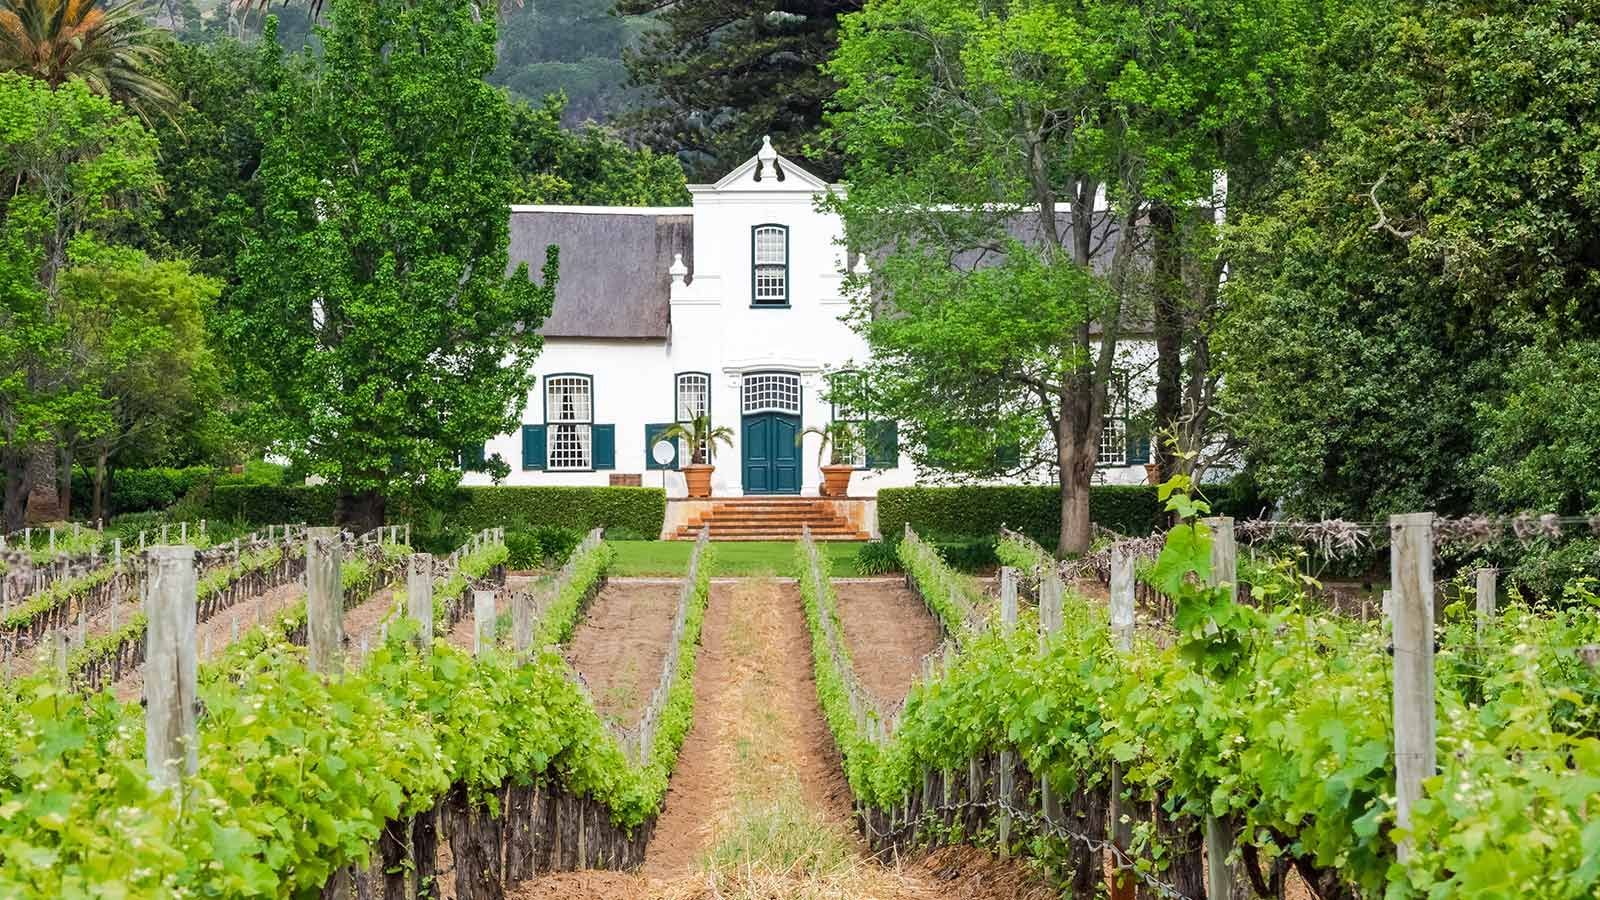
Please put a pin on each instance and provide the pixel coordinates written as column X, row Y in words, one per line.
column 1447, row 221
column 396, row 335
column 568, row 47
column 979, row 139
column 723, row 73
column 74, row 166
column 589, row 165
column 146, row 353
column 110, row 47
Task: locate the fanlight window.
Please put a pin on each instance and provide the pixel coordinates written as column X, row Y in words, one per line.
column 772, row 392
column 569, row 421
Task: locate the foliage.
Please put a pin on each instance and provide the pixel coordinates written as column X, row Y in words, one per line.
column 547, row 545
column 561, row 615
column 974, row 510
column 877, row 558
column 1542, row 438
column 699, row 434
column 397, row 337
column 1379, row 302
column 111, row 48
column 142, row 490
column 838, row 442
column 951, row 597
column 587, row 165
column 1543, row 572
column 570, row 48
column 721, row 75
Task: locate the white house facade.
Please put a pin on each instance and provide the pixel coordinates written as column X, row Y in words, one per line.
column 731, row 307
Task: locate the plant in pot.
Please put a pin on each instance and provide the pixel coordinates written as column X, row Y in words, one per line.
column 702, row 438
column 838, row 446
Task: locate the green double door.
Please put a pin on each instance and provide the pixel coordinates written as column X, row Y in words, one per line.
column 771, row 454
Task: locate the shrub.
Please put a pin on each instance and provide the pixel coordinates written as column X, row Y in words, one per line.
column 263, row 504
column 522, row 548
column 1035, row 510
column 1543, row 572
column 630, row 509
column 876, row 558
column 139, row 490
column 556, row 543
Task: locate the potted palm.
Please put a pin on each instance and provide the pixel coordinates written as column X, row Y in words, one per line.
column 838, row 446
column 702, row 439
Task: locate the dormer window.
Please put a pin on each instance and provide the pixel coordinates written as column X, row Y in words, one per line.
column 769, row 278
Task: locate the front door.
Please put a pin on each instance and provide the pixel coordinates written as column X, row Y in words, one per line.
column 771, row 454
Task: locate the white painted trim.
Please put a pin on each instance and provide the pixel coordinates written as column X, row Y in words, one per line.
column 605, row 210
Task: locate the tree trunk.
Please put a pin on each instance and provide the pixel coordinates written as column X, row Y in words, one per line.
column 98, row 504
column 359, row 511
column 43, row 502
column 64, row 481
column 1075, row 473
column 13, row 517
column 1167, row 261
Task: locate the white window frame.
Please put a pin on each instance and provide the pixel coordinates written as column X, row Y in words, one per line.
column 569, row 422
column 1113, row 449
column 843, row 413
column 769, row 266
column 698, row 383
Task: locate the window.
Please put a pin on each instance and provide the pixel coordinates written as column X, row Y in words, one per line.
column 569, row 421
column 772, row 392
column 692, row 399
column 848, row 392
column 1114, row 427
column 769, row 277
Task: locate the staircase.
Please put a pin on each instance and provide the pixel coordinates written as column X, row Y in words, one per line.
column 770, row 519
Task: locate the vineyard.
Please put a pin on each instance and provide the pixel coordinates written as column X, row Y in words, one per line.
column 304, row 712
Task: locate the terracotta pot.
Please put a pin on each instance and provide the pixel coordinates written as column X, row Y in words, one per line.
column 836, row 480
column 698, row 477
column 1152, row 473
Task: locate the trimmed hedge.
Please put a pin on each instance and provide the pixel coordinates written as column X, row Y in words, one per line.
column 630, row 510
column 139, row 490
column 1035, row 510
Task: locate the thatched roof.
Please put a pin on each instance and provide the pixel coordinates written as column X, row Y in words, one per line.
column 613, row 280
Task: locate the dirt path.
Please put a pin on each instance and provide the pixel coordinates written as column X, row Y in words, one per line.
column 621, row 645
column 888, row 631
column 214, row 634
column 758, row 806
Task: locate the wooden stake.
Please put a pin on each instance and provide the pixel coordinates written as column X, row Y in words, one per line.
column 482, row 621
column 170, row 748
column 1122, row 628
column 324, row 601
column 1486, row 599
column 1411, row 561
column 1008, row 594
column 522, row 622
column 419, row 596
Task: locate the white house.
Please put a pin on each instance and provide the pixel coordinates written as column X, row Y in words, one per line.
column 729, row 306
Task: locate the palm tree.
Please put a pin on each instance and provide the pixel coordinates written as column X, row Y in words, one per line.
column 841, row 437
column 111, row 48
column 699, row 435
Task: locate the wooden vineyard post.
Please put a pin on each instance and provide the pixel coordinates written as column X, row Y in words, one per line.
column 482, row 622
column 522, row 623
column 1050, row 622
column 1220, row 881
column 1486, row 599
column 1122, row 626
column 324, row 601
column 419, row 596
column 1411, row 562
column 1008, row 759
column 1008, row 594
column 170, row 749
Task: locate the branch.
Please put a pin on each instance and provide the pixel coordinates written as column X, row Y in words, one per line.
column 1383, row 218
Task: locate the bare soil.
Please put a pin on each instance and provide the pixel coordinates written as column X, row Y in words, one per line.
column 621, row 645
column 888, row 631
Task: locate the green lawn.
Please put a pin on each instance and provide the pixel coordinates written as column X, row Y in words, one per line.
column 732, row 558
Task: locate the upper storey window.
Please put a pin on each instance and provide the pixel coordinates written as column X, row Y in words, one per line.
column 769, row 278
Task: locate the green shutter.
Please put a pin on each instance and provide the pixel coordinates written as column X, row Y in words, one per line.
column 883, row 445
column 1008, row 458
column 650, row 439
column 533, row 447
column 1138, row 450
column 605, row 446
column 473, row 458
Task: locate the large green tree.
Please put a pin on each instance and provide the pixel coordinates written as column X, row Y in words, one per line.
column 74, row 167
column 587, row 165
column 376, row 320
column 979, row 138
column 1448, row 221
column 720, row 74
